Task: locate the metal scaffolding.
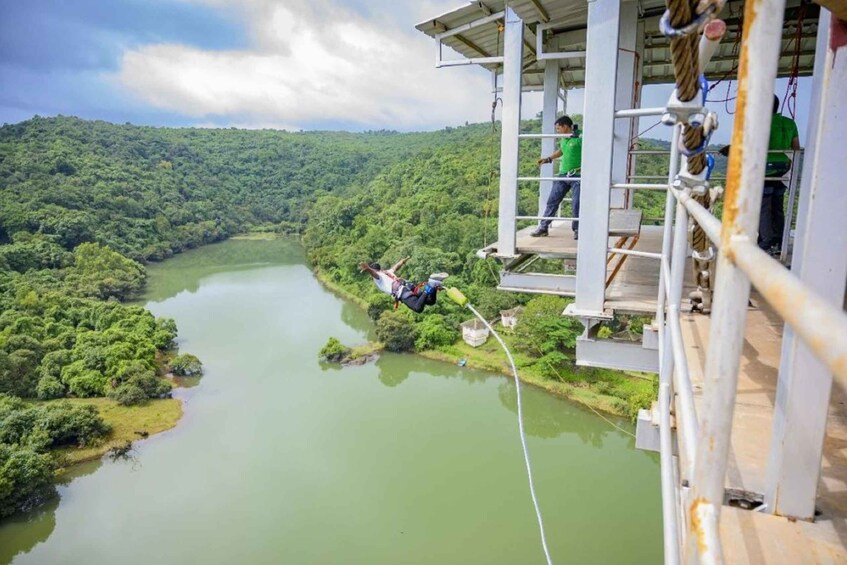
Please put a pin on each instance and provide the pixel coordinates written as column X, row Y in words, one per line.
column 693, row 444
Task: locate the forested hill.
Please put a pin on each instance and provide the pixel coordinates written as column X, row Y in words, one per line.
column 149, row 192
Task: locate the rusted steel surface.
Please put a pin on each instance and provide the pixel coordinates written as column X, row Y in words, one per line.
column 837, row 7
column 704, row 530
column 732, row 192
column 821, row 326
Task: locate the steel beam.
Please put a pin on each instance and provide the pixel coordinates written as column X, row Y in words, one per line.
column 511, row 122
column 742, row 200
column 562, row 285
column 616, row 355
column 803, row 391
column 548, row 118
column 601, row 63
column 624, row 98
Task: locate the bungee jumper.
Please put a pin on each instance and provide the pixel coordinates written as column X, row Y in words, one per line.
column 415, row 296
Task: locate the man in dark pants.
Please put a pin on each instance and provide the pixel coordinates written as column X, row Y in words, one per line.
column 570, row 150
column 403, row 291
column 783, row 136
column 772, row 219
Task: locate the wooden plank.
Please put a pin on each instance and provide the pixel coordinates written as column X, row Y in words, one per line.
column 624, row 222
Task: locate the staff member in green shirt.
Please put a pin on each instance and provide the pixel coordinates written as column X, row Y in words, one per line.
column 772, row 218
column 570, row 150
column 783, row 136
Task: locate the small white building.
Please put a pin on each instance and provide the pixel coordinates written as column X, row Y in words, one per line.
column 474, row 332
column 510, row 317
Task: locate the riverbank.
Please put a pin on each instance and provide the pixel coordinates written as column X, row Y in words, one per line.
column 129, row 423
column 581, row 394
column 339, row 291
column 491, row 358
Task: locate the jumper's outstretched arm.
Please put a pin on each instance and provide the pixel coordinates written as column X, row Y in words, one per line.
column 365, row 268
column 399, row 264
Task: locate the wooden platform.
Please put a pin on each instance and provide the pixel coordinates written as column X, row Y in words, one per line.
column 753, row 537
column 635, row 288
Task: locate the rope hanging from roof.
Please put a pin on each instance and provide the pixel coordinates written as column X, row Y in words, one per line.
column 790, row 99
column 682, row 23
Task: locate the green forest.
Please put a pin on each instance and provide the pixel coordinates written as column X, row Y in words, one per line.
column 85, row 204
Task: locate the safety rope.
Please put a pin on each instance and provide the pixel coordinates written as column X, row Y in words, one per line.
column 682, row 23
column 493, row 173
column 587, row 405
column 790, row 99
column 638, row 135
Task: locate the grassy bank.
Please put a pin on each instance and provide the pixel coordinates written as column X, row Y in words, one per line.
column 607, row 390
column 128, row 423
column 340, row 291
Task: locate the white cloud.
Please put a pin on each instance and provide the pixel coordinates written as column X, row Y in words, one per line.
column 312, row 62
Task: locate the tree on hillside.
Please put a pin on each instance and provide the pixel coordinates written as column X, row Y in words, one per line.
column 397, row 331
column 546, row 334
column 99, row 272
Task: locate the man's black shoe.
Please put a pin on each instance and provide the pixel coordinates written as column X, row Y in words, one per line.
column 575, row 235
column 539, row 233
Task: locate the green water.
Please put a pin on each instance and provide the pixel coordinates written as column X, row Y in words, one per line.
column 278, row 460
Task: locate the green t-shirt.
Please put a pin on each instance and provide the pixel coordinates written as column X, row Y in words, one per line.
column 783, row 132
column 571, row 148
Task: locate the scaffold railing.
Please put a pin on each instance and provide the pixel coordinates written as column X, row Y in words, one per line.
column 693, row 492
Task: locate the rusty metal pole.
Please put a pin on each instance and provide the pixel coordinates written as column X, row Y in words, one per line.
column 758, row 60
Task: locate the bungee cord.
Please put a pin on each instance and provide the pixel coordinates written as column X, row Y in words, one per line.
column 456, row 295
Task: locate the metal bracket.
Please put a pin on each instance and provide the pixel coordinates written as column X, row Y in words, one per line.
column 691, row 112
column 708, row 255
column 691, row 183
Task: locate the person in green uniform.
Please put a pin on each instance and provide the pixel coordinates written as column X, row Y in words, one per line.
column 783, row 136
column 570, row 150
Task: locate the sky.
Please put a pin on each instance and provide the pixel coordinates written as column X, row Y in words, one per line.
column 293, row 64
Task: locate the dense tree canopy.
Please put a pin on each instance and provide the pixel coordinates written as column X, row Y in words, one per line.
column 150, row 192
column 26, row 433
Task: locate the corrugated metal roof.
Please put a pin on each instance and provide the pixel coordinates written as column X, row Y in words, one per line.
column 570, row 19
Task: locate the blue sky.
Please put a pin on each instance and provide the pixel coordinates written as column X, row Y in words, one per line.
column 293, row 64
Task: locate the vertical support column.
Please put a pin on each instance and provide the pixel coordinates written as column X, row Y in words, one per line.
column 601, row 64
column 548, row 118
column 635, row 123
column 756, row 74
column 802, row 396
column 623, row 99
column 512, row 61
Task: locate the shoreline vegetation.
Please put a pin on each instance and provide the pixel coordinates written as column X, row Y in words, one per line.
column 494, row 360
column 128, row 424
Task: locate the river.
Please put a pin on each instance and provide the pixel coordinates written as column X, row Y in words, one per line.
column 281, row 460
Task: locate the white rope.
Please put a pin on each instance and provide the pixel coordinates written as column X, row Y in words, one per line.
column 523, row 436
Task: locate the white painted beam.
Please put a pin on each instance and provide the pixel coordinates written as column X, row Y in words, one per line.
column 601, row 64
column 511, row 122
column 820, row 261
column 624, row 99
column 548, row 118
